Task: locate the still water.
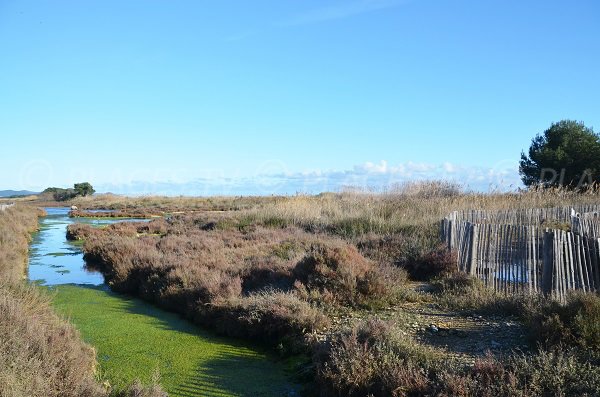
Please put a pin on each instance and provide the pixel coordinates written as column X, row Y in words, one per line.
column 54, row 260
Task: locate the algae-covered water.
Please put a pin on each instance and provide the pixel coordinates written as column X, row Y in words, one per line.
column 134, row 339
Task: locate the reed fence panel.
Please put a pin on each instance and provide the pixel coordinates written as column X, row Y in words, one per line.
column 518, row 254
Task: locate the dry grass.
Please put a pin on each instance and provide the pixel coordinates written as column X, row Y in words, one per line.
column 415, row 206
column 16, row 223
column 40, row 354
column 164, row 204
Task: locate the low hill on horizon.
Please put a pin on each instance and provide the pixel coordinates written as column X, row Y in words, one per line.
column 16, row 193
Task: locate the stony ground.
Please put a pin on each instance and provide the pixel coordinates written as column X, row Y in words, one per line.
column 458, row 335
column 466, row 336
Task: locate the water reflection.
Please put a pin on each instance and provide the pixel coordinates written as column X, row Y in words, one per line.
column 54, row 260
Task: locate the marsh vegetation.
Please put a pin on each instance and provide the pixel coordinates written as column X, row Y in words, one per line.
column 333, row 278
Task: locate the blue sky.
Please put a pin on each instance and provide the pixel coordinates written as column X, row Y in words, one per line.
column 239, row 97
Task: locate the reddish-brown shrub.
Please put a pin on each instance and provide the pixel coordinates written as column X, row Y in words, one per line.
column 268, row 316
column 213, row 276
column 435, row 263
column 229, row 277
column 340, row 270
column 335, row 272
column 374, row 359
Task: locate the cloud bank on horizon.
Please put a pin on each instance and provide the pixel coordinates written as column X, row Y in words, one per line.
column 368, row 176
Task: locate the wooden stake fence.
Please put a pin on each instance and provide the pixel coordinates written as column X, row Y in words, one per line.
column 516, row 258
column 526, row 216
column 587, row 224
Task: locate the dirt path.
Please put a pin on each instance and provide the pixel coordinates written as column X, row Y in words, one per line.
column 458, row 335
column 466, row 336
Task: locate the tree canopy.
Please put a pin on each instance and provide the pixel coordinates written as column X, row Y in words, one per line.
column 84, row 189
column 567, row 154
column 79, row 189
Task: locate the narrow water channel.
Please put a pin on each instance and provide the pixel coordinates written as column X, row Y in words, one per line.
column 53, row 260
column 134, row 340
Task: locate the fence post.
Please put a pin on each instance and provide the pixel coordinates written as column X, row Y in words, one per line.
column 443, row 230
column 465, row 247
column 595, row 263
column 446, row 232
column 548, row 262
column 453, row 226
column 576, row 226
column 450, row 233
column 474, row 246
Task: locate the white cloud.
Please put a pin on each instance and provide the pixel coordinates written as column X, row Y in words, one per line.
column 376, row 176
column 449, row 167
column 367, row 167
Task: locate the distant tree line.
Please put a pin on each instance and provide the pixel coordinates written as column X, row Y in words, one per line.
column 61, row 194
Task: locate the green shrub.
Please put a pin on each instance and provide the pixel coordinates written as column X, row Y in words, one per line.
column 575, row 323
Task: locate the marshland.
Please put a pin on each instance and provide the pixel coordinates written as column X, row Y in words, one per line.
column 334, row 294
column 350, row 198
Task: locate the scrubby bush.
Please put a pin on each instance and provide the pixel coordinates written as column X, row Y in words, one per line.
column 376, row 359
column 80, row 231
column 232, row 280
column 16, row 224
column 554, row 373
column 575, row 323
column 397, row 248
column 373, row 359
column 414, row 249
column 437, row 262
column 337, row 271
column 268, row 316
